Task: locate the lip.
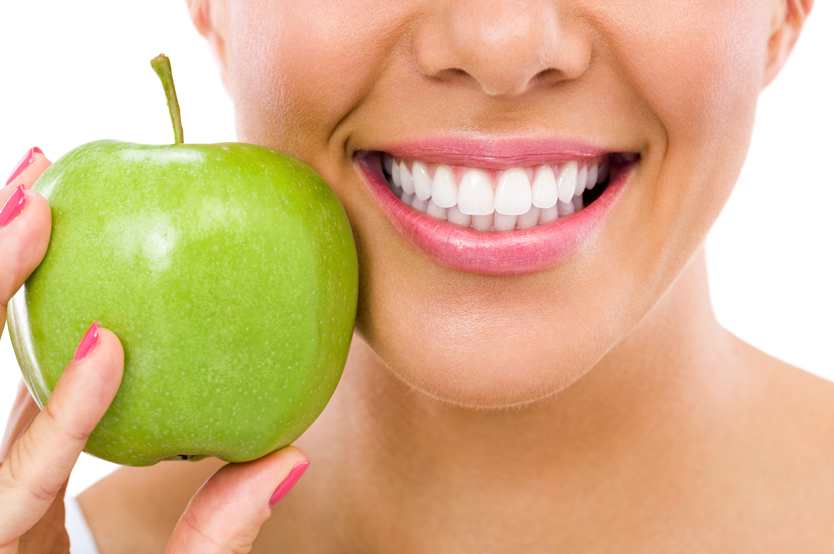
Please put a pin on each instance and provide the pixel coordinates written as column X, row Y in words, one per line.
column 496, row 252
column 493, row 153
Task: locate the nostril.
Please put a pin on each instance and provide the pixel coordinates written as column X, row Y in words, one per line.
column 453, row 74
column 504, row 48
column 500, row 84
column 547, row 77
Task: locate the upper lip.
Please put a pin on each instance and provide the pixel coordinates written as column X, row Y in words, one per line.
column 493, row 152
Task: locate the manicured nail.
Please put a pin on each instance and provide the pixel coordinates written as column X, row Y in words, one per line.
column 87, row 344
column 24, row 163
column 13, row 206
column 295, row 474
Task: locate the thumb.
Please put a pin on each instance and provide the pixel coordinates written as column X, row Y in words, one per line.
column 226, row 514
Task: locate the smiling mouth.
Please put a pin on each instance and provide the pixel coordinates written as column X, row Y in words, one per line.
column 487, row 199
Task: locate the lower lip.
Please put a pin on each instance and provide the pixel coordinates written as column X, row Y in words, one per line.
column 494, row 252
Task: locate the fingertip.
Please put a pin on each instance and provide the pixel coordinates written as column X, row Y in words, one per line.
column 29, row 168
column 88, row 343
column 37, row 212
column 94, row 377
column 232, row 505
column 258, row 481
column 35, row 228
column 114, row 355
column 290, row 453
column 289, row 481
column 277, row 473
column 114, row 345
column 279, row 464
column 35, row 205
column 25, row 239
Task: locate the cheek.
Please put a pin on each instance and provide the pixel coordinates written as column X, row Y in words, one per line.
column 697, row 64
column 304, row 67
column 698, row 68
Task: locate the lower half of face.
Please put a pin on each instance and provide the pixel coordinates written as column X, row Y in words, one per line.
column 524, row 179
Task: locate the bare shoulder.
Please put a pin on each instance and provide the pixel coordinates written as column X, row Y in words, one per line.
column 135, row 509
column 804, row 402
column 791, row 426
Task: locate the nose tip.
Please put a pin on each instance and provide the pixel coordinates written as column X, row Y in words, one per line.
column 504, row 47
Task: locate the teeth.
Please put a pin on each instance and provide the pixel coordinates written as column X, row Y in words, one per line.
column 512, row 197
column 419, row 205
column 581, row 180
column 435, row 211
column 454, row 215
column 444, row 190
column 548, row 214
column 496, row 200
column 544, row 191
column 567, row 181
column 530, row 219
column 565, row 208
column 603, row 172
column 475, row 196
column 482, row 222
column 421, row 179
column 395, row 175
column 504, row 222
column 593, row 173
column 405, row 179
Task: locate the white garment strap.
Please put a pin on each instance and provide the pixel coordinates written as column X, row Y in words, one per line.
column 81, row 539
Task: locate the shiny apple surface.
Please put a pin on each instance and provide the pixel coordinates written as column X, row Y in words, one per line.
column 229, row 273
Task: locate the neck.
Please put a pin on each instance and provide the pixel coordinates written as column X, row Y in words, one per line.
column 635, row 421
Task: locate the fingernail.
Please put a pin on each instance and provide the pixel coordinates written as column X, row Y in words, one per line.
column 13, row 206
column 24, row 163
column 87, row 344
column 295, row 474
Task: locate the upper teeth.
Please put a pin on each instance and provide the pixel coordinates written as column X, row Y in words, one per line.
column 503, row 199
column 475, row 196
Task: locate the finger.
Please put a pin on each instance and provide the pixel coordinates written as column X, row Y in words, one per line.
column 23, row 413
column 50, row 533
column 41, row 461
column 226, row 514
column 25, row 226
column 28, row 169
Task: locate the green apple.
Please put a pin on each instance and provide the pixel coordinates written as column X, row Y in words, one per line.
column 228, row 272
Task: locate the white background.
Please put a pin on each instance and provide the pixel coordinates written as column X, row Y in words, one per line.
column 72, row 72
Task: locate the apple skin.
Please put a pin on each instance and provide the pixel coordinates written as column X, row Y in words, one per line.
column 228, row 272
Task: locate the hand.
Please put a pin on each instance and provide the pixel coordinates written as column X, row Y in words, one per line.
column 40, row 448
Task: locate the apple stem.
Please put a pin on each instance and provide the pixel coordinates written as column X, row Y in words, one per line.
column 162, row 65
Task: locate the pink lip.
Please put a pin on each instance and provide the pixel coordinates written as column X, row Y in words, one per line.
column 492, row 253
column 496, row 153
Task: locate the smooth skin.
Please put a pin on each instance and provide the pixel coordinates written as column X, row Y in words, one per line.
column 596, row 406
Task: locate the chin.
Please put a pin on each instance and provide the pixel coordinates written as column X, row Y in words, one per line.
column 488, row 368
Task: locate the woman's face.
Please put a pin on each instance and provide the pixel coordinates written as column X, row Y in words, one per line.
column 663, row 92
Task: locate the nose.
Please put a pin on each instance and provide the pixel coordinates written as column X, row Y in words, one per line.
column 505, row 47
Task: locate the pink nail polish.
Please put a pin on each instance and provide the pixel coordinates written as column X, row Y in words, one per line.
column 295, row 474
column 24, row 163
column 13, row 206
column 87, row 344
